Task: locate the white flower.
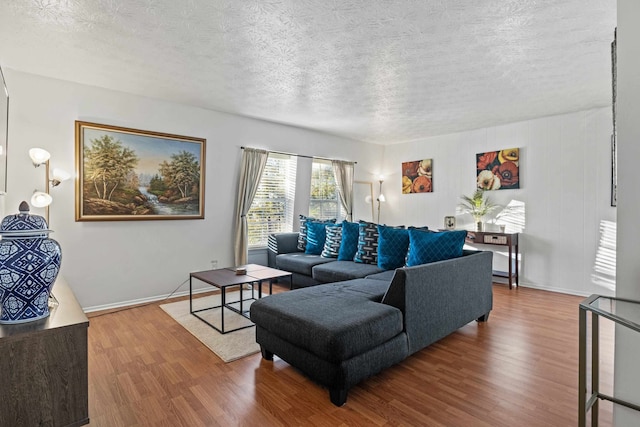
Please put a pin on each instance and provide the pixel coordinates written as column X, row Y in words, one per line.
column 488, row 181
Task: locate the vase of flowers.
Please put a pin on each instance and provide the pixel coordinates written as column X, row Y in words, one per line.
column 478, row 205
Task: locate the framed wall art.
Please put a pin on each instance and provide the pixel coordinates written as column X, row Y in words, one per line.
column 130, row 174
column 498, row 170
column 417, row 176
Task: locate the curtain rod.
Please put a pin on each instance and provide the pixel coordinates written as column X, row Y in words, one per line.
column 300, row 155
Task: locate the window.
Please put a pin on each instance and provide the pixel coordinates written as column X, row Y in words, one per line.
column 325, row 201
column 272, row 207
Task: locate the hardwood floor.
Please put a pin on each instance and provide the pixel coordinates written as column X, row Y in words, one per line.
column 518, row 369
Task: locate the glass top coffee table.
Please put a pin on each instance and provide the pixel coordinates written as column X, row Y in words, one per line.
column 223, row 278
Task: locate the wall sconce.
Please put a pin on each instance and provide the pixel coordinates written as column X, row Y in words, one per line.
column 381, row 197
column 41, row 199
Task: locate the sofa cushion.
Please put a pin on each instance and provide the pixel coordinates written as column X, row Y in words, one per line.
column 316, row 236
column 299, row 262
column 349, row 243
column 373, row 290
column 393, row 244
column 367, row 243
column 346, row 324
column 302, row 234
column 384, row 276
column 425, row 246
column 333, row 240
column 343, row 270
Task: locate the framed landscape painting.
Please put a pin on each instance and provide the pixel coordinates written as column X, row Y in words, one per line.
column 498, row 170
column 129, row 174
column 417, row 176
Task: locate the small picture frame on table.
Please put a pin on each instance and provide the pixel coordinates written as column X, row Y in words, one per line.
column 450, row 222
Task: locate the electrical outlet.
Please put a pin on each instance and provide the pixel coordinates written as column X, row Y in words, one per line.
column 214, row 264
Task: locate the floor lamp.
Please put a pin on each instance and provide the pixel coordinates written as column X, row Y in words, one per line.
column 380, row 198
column 42, row 199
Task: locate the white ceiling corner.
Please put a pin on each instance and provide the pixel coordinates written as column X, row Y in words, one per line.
column 377, row 71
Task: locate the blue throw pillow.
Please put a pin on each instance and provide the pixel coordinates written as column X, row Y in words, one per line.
column 392, row 247
column 332, row 241
column 316, row 235
column 349, row 242
column 425, row 246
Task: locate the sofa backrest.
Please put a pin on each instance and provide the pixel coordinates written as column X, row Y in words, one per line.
column 440, row 297
column 281, row 243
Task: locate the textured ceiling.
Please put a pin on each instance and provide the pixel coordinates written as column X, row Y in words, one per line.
column 377, row 71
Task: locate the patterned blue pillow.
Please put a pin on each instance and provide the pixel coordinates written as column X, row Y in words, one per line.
column 333, row 240
column 302, row 234
column 393, row 244
column 426, row 246
column 367, row 243
column 316, row 235
column 349, row 243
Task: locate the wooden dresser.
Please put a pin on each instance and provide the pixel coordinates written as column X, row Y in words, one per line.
column 43, row 367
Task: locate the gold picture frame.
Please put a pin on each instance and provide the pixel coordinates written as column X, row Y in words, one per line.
column 128, row 174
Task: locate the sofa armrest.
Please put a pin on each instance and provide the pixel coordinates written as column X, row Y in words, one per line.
column 440, row 297
column 281, row 243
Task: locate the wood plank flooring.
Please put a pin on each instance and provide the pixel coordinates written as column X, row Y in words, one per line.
column 518, row 369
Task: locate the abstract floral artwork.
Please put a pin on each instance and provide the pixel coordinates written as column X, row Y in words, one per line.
column 498, row 170
column 417, row 176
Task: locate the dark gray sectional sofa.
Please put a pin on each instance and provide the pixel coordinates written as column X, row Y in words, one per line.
column 309, row 270
column 340, row 333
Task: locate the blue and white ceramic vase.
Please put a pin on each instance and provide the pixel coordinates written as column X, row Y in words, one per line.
column 29, row 265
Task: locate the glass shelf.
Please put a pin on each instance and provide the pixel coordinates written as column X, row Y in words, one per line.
column 623, row 311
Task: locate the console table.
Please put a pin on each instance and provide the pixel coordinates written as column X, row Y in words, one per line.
column 501, row 239
column 44, row 367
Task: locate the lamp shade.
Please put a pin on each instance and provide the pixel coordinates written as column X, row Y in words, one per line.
column 382, row 198
column 58, row 176
column 39, row 156
column 40, row 199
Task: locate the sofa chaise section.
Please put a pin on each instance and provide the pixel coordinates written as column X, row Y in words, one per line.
column 341, row 333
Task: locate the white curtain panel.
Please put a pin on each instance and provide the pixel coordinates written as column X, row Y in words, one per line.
column 253, row 164
column 343, row 173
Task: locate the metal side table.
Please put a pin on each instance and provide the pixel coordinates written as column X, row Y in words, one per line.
column 624, row 312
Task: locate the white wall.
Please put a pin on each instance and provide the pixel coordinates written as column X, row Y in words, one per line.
column 107, row 263
column 627, row 375
column 564, row 182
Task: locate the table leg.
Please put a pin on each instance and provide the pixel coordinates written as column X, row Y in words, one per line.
column 510, row 266
column 223, row 297
column 595, row 367
column 517, row 272
column 582, row 368
column 190, row 295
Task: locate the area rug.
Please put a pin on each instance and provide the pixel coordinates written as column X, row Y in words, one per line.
column 230, row 346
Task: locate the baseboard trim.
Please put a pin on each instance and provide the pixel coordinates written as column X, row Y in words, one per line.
column 147, row 300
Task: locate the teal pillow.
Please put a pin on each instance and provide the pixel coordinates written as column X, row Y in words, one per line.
column 426, row 246
column 316, row 235
column 302, row 234
column 332, row 241
column 349, row 242
column 392, row 247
